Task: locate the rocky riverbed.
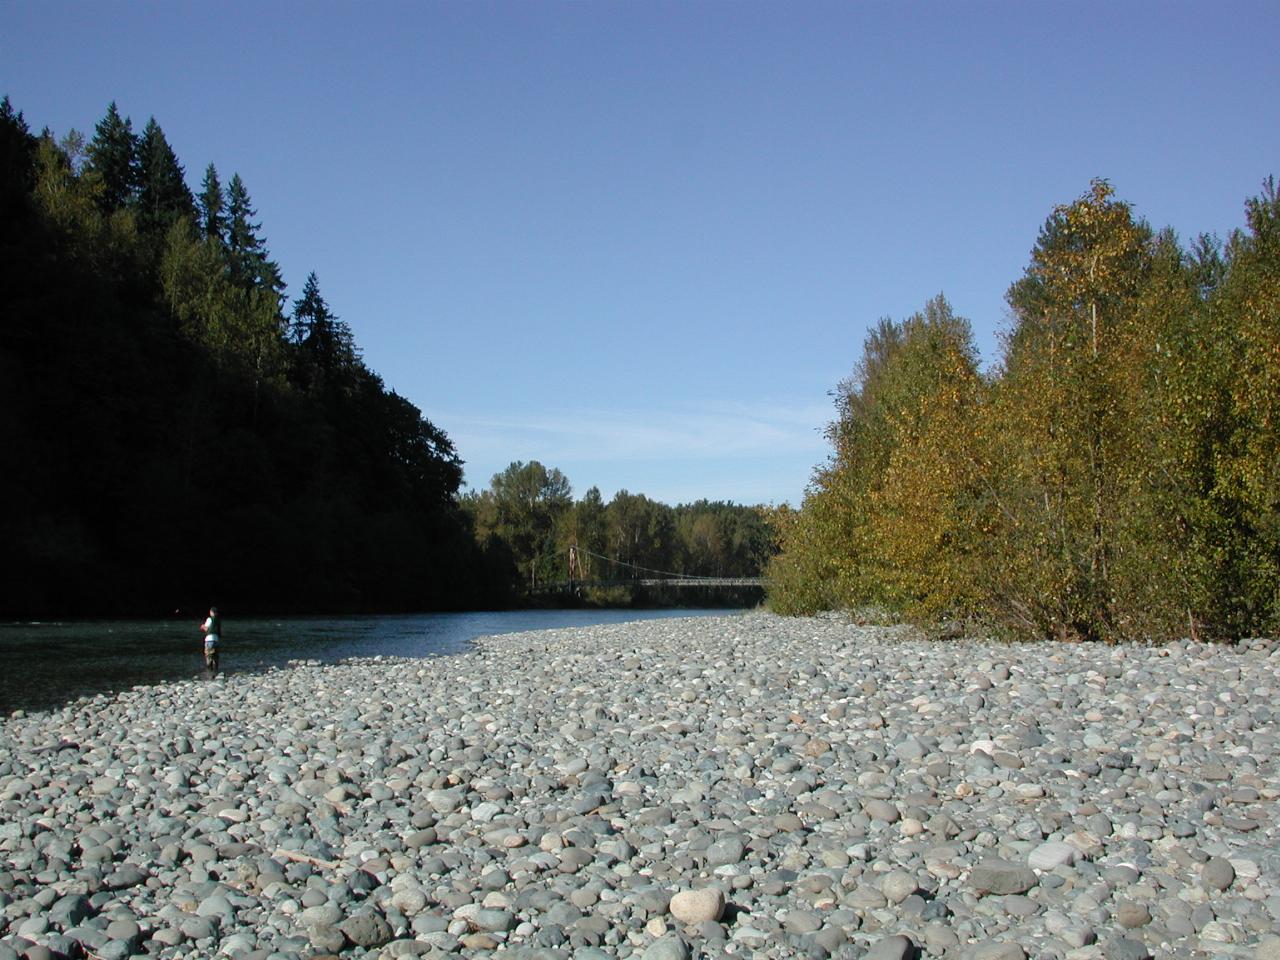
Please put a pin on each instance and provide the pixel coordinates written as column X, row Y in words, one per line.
column 737, row 786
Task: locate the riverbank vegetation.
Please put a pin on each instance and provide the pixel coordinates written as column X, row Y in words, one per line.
column 1116, row 475
column 528, row 516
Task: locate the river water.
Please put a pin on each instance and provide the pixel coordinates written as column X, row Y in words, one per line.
column 44, row 665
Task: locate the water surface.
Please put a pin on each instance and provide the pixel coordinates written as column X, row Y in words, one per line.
column 44, row 665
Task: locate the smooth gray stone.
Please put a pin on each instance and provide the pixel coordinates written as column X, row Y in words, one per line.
column 215, row 906
column 897, row 885
column 33, row 928
column 1131, row 915
column 126, row 930
column 897, row 947
column 802, row 922
column 1017, row 905
column 490, row 920
column 1051, row 855
column 670, row 947
column 70, row 910
column 239, row 945
column 1125, row 948
column 408, row 948
column 324, row 914
column 1217, row 874
column 115, row 950
column 726, row 851
column 199, row 928
column 366, row 930
column 1001, row 877
column 995, row 950
column 882, row 810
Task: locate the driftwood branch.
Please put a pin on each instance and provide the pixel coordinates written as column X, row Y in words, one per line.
column 297, row 857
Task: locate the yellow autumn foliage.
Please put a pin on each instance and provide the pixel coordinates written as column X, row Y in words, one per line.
column 1117, row 476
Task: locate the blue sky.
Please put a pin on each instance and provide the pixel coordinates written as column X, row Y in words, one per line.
column 642, row 241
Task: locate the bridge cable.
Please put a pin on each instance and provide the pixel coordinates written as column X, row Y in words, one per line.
column 633, row 566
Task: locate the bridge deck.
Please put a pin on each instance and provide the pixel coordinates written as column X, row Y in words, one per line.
column 561, row 585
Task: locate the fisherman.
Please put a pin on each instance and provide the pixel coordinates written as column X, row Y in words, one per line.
column 212, row 629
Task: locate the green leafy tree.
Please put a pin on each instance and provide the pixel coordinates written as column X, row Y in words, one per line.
column 523, row 507
column 241, row 328
column 584, row 527
column 1243, row 314
column 929, row 504
column 1063, row 415
column 641, row 534
column 703, row 540
column 721, row 539
column 1115, row 478
column 71, row 202
column 887, row 520
column 425, row 465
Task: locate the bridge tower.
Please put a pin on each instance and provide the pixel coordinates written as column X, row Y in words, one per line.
column 575, row 565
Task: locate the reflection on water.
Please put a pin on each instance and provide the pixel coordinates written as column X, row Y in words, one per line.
column 44, row 665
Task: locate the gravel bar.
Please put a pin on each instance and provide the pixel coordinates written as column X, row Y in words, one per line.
column 737, row 786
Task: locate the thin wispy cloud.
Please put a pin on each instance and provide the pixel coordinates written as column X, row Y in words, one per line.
column 758, row 452
column 711, row 432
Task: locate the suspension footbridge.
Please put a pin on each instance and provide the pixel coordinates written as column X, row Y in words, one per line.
column 580, row 579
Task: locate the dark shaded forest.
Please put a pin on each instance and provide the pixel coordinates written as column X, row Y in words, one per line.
column 178, row 431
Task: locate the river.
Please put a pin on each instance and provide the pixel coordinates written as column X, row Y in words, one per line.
column 45, row 665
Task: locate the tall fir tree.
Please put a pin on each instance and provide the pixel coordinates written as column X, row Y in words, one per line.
column 163, row 196
column 212, row 207
column 113, row 160
column 17, row 159
column 324, row 344
column 245, row 248
column 309, row 311
column 251, row 266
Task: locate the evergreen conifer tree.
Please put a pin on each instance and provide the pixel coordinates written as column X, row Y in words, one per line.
column 251, row 266
column 244, row 246
column 212, row 206
column 163, row 195
column 324, row 343
column 17, row 159
column 113, row 159
column 310, row 312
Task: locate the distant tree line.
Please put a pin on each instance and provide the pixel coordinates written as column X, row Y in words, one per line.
column 1116, row 476
column 175, row 430
column 529, row 519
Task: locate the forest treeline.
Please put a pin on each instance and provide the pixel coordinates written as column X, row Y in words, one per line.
column 1115, row 476
column 177, row 430
column 529, row 514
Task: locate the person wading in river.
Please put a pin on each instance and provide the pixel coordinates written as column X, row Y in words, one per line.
column 212, row 629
